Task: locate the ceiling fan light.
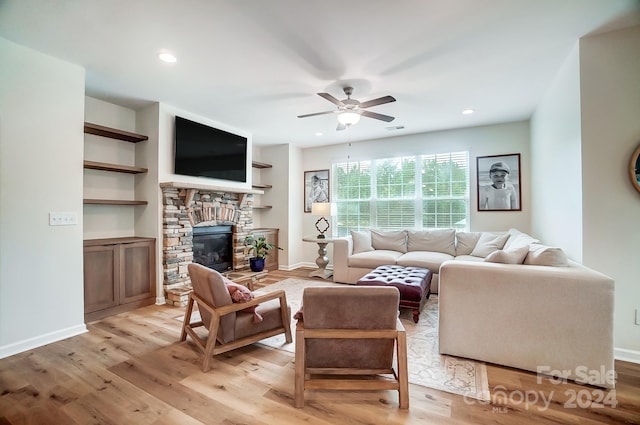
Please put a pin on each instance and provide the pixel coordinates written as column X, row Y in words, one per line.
column 348, row 118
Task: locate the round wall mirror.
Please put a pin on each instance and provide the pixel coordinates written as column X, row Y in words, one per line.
column 634, row 169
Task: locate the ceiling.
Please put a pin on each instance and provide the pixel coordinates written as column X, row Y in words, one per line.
column 256, row 64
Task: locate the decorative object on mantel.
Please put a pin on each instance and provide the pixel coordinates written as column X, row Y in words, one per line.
column 634, row 169
column 260, row 248
column 499, row 183
column 322, row 209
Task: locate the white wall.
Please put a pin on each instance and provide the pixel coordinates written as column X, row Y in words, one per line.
column 610, row 101
column 279, row 216
column 148, row 219
column 556, row 167
column 41, row 146
column 479, row 141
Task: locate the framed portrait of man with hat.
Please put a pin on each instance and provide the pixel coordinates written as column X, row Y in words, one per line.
column 499, row 187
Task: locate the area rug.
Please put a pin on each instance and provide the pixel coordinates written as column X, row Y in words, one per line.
column 426, row 366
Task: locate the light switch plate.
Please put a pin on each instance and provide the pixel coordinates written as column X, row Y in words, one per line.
column 63, row 218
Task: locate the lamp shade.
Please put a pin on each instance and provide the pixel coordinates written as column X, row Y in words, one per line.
column 322, row 208
column 348, row 118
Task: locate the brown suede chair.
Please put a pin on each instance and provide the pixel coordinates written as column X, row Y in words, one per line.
column 350, row 331
column 228, row 326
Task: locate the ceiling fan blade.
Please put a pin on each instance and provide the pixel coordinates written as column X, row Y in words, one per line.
column 316, row 113
column 378, row 101
column 331, row 99
column 377, row 116
column 341, row 126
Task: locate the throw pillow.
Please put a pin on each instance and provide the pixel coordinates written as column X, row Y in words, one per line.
column 511, row 256
column 488, row 243
column 361, row 241
column 541, row 255
column 392, row 240
column 242, row 294
column 432, row 240
column 518, row 239
column 466, row 241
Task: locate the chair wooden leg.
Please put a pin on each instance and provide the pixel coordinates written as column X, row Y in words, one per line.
column 299, row 370
column 187, row 319
column 286, row 319
column 211, row 343
column 403, row 374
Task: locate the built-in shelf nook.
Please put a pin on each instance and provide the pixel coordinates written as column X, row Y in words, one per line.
column 119, row 272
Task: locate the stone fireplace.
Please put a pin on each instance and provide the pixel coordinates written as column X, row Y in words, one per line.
column 188, row 208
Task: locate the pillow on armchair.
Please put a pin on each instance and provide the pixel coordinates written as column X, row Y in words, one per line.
column 242, row 294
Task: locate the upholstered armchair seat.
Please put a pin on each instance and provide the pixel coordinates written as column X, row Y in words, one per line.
column 353, row 332
column 229, row 324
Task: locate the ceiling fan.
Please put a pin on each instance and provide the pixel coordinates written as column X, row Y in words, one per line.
column 350, row 110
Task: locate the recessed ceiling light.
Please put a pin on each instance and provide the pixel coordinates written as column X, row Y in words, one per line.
column 468, row 111
column 319, row 134
column 167, row 57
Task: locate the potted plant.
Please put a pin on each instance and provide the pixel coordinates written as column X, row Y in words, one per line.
column 260, row 248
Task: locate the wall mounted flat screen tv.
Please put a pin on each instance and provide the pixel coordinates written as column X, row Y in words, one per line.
column 204, row 151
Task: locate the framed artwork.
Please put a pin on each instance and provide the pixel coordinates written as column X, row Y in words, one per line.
column 499, row 186
column 316, row 188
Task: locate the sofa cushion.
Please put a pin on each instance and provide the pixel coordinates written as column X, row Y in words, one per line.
column 425, row 259
column 466, row 241
column 373, row 259
column 542, row 255
column 488, row 243
column 361, row 241
column 468, row 258
column 432, row 240
column 518, row 239
column 392, row 240
column 508, row 256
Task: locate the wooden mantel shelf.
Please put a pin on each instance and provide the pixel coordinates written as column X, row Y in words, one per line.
column 112, row 202
column 183, row 185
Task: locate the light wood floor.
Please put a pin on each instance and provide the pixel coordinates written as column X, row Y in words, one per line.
column 131, row 369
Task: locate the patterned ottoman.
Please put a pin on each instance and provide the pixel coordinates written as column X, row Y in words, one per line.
column 413, row 283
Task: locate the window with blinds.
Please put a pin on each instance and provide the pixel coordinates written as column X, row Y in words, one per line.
column 413, row 192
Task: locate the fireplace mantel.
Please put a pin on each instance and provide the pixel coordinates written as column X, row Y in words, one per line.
column 193, row 187
column 212, row 188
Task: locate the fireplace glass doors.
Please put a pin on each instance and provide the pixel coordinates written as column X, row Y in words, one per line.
column 213, row 247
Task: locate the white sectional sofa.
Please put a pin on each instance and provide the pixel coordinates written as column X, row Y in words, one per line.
column 503, row 298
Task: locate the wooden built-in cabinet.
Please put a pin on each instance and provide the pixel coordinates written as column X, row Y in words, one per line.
column 119, row 275
column 261, row 165
column 271, row 236
column 112, row 133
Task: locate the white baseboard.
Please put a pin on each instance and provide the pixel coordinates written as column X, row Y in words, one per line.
column 626, row 355
column 161, row 300
column 302, row 264
column 39, row 341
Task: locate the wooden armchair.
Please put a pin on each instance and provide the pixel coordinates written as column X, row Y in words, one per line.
column 351, row 332
column 228, row 326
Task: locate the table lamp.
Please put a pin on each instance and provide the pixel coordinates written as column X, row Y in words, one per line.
column 322, row 209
